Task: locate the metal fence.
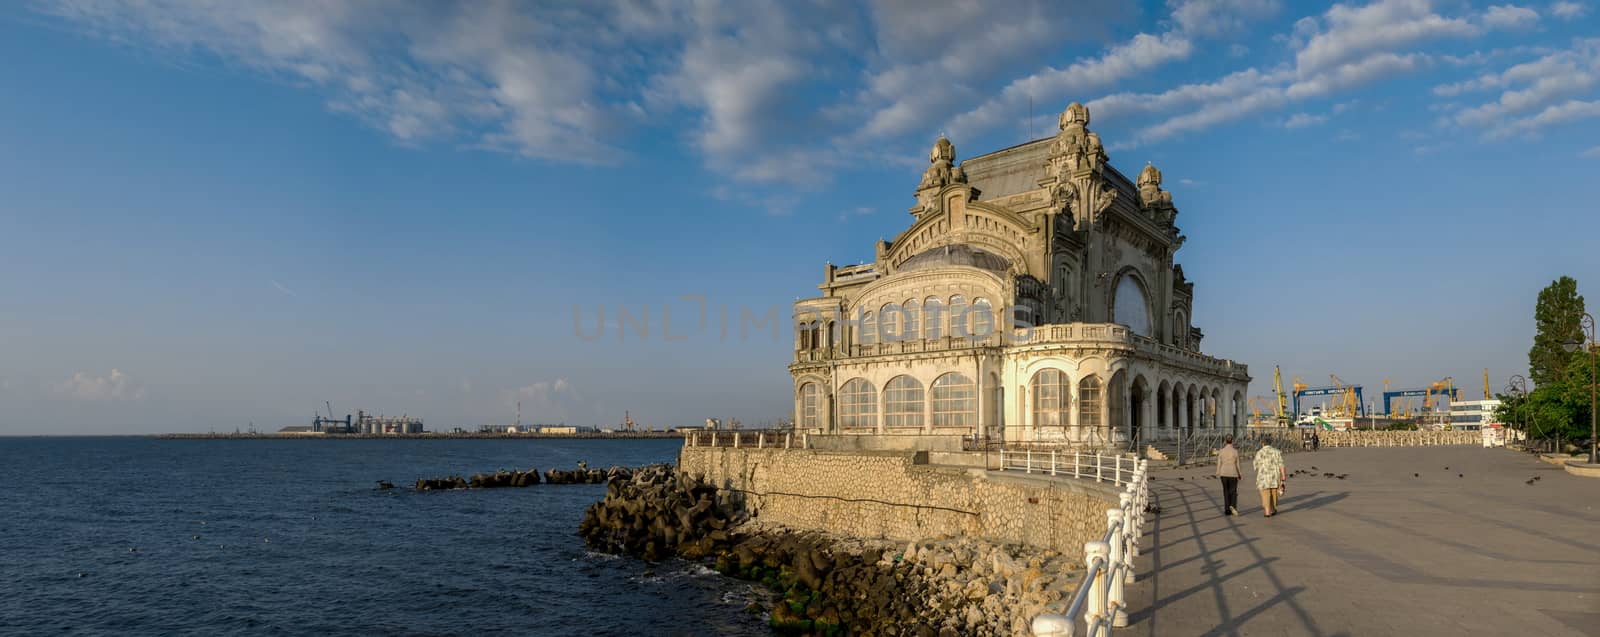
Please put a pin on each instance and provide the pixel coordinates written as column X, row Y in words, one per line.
column 1100, row 602
column 1116, row 469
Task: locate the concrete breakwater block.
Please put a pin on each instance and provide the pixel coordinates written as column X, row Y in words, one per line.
column 513, row 478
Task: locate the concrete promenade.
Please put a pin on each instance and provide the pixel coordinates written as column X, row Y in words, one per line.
column 1472, row 550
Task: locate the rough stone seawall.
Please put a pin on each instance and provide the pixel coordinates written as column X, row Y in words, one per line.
column 1399, row 438
column 888, row 496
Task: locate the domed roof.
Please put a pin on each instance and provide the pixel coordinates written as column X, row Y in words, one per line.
column 952, row 255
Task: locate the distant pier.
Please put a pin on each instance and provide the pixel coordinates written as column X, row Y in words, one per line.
column 629, row 435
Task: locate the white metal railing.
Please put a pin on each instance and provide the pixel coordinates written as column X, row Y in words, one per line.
column 1100, row 601
column 755, row 439
column 1113, row 468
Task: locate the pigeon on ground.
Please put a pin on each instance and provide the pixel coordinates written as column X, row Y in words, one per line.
column 1416, row 475
column 1328, row 474
column 1313, row 468
column 1530, row 481
column 1538, row 477
column 1343, row 476
column 1460, row 475
column 1447, row 468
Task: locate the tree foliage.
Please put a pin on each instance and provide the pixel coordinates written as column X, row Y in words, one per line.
column 1556, row 319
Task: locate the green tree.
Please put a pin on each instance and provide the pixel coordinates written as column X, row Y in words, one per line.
column 1556, row 319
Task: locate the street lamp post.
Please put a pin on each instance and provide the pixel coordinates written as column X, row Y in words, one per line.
column 1518, row 388
column 1587, row 325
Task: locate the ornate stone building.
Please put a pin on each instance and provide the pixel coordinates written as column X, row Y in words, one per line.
column 1034, row 298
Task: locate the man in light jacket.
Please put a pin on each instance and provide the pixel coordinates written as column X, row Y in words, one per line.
column 1228, row 471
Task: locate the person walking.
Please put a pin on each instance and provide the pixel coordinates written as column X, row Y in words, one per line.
column 1228, row 471
column 1270, row 476
column 1316, row 441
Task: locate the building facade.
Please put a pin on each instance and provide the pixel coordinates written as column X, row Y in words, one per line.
column 1034, row 297
column 1473, row 414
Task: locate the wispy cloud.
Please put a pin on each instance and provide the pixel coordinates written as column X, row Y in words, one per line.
column 87, row 386
column 1302, row 120
column 281, row 288
column 1592, row 152
column 1569, row 10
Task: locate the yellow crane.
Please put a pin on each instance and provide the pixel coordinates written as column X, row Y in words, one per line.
column 1486, row 394
column 1347, row 397
column 1283, row 399
column 1386, row 390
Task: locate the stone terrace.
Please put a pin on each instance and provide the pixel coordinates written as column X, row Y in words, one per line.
column 1378, row 553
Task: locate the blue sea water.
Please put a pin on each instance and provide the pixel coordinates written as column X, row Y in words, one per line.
column 139, row 536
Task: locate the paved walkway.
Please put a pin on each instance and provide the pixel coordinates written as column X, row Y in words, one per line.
column 1380, row 552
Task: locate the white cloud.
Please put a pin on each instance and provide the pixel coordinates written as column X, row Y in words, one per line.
column 1220, row 17
column 935, row 59
column 1509, row 17
column 1592, row 152
column 1528, row 86
column 1568, row 10
column 1564, row 113
column 89, row 387
column 549, row 402
column 1053, row 85
column 1383, row 26
column 1345, row 76
column 281, row 287
column 1302, row 120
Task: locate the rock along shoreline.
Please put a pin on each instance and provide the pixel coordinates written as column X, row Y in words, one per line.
column 829, row 585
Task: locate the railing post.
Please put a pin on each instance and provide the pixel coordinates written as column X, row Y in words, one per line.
column 761, row 440
column 1077, row 463
column 1027, row 466
column 1052, row 462
column 788, row 440
column 805, row 440
column 736, row 437
column 1099, row 466
column 1002, row 458
column 1095, row 607
column 1119, row 469
column 713, row 438
column 1130, row 533
column 1114, row 601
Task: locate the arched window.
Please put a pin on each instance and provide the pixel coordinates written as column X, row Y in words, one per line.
column 982, row 318
column 1180, row 329
column 913, row 320
column 1130, row 307
column 933, row 312
column 1089, row 402
column 869, row 329
column 1051, row 398
column 902, row 403
column 810, row 400
column 858, row 404
column 955, row 401
column 891, row 326
column 958, row 317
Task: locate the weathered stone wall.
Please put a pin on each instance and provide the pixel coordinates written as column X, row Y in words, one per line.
column 890, row 496
column 1399, row 438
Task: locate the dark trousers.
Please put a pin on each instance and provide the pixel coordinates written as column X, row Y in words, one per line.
column 1230, row 493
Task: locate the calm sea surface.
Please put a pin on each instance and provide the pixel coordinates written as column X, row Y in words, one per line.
column 131, row 536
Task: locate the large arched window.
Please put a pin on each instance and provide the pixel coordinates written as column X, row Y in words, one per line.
column 902, row 403
column 891, row 323
column 955, row 401
column 1180, row 329
column 810, row 400
column 982, row 318
column 858, row 404
column 933, row 312
column 868, row 329
column 1089, row 402
column 1051, row 398
column 913, row 320
column 1130, row 307
column 957, row 312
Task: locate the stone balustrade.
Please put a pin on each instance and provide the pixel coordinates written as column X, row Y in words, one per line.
column 1399, row 438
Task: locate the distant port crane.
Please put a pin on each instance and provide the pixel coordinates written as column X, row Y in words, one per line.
column 1350, row 396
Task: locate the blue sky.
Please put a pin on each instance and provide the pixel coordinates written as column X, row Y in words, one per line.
column 218, row 215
